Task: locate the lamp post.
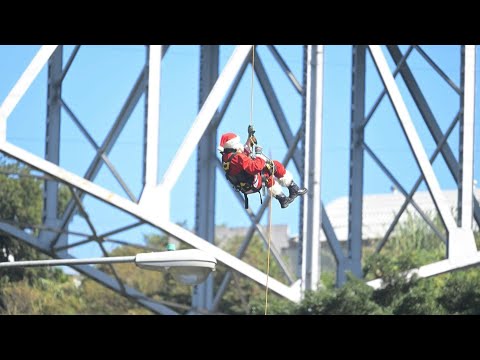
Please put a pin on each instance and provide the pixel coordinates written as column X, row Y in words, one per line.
column 190, row 267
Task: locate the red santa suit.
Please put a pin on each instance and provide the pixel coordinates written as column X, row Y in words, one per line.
column 239, row 163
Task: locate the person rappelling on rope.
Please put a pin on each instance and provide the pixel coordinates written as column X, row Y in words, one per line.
column 248, row 169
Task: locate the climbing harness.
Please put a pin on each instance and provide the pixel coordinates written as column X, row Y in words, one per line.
column 241, row 182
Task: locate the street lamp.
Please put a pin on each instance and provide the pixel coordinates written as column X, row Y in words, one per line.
column 190, row 267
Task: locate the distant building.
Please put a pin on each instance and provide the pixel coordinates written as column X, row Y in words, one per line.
column 379, row 211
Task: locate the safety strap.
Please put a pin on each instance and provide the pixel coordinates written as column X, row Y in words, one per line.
column 246, row 199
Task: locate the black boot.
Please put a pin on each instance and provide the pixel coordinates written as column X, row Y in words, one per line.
column 295, row 191
column 283, row 200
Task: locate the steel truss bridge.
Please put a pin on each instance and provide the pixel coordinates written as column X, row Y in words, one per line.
column 303, row 143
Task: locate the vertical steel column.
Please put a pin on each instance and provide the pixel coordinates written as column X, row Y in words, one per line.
column 311, row 203
column 301, row 166
column 461, row 242
column 152, row 113
column 467, row 128
column 205, row 201
column 355, row 198
column 52, row 143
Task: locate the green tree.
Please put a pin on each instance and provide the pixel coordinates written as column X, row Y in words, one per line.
column 413, row 236
column 354, row 298
column 460, row 293
column 420, row 299
column 29, row 290
column 100, row 300
column 42, row 297
column 21, row 203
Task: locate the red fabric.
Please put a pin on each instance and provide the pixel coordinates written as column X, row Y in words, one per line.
column 279, row 173
column 242, row 162
column 279, row 169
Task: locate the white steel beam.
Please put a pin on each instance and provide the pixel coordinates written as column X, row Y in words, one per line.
column 467, row 139
column 153, row 115
column 22, row 85
column 312, row 165
column 434, row 269
column 461, row 242
column 205, row 116
column 136, row 210
column 413, row 139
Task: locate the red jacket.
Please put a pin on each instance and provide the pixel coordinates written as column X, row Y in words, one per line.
column 240, row 162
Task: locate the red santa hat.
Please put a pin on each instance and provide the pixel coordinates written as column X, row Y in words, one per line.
column 230, row 141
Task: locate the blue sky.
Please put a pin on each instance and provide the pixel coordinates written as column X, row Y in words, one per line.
column 102, row 76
